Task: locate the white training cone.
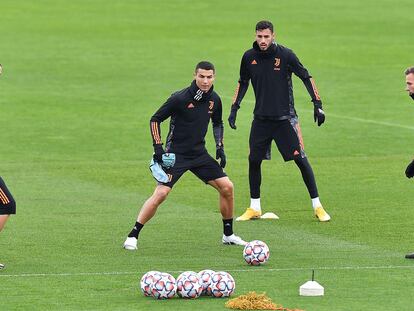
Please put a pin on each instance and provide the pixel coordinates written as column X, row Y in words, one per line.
column 311, row 288
column 269, row 216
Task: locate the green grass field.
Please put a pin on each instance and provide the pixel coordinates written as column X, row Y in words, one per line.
column 81, row 80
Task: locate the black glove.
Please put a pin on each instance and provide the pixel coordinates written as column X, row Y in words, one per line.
column 232, row 118
column 222, row 156
column 158, row 152
column 409, row 171
column 318, row 114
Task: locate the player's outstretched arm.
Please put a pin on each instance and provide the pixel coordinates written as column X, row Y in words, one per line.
column 156, row 140
column 218, row 132
column 303, row 74
column 318, row 113
column 164, row 112
column 241, row 90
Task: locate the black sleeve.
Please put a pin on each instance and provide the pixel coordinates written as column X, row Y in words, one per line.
column 163, row 113
column 217, row 120
column 243, row 83
column 312, row 90
column 300, row 71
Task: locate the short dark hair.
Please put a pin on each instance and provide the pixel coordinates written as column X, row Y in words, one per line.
column 409, row 70
column 205, row 65
column 262, row 25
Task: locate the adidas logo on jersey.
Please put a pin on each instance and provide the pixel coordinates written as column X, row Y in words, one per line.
column 254, row 62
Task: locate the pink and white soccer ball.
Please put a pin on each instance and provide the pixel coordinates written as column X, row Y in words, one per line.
column 256, row 253
column 206, row 276
column 146, row 281
column 222, row 284
column 164, row 286
column 189, row 285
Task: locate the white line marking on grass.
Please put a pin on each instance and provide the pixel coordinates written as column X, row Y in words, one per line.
column 326, row 268
column 328, row 114
column 253, row 269
column 372, row 121
column 66, row 274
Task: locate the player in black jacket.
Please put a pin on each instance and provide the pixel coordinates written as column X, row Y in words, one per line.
column 190, row 111
column 269, row 66
column 409, row 172
column 7, row 203
column 7, row 206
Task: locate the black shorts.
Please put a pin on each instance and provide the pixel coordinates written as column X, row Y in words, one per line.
column 7, row 203
column 203, row 166
column 263, row 132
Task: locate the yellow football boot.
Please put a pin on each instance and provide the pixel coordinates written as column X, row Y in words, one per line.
column 249, row 214
column 321, row 214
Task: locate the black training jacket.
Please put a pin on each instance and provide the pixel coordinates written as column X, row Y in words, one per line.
column 190, row 110
column 271, row 74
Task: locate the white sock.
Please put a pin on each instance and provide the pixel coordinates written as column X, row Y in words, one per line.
column 316, row 203
column 255, row 204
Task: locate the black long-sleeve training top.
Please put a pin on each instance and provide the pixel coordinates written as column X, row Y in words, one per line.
column 271, row 74
column 190, row 110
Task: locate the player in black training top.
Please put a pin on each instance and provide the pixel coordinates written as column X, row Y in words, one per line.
column 7, row 203
column 7, row 206
column 409, row 81
column 269, row 66
column 190, row 111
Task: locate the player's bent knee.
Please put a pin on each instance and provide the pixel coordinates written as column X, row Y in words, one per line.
column 227, row 189
column 161, row 193
column 299, row 160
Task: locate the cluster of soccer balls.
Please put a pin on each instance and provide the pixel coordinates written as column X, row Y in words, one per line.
column 188, row 284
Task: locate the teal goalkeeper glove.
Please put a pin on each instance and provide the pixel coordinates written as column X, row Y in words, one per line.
column 157, row 168
column 168, row 160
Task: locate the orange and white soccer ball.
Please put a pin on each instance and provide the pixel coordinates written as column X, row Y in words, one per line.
column 189, row 285
column 147, row 280
column 222, row 284
column 256, row 253
column 164, row 286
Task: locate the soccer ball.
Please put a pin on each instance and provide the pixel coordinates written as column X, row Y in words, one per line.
column 146, row 281
column 222, row 284
column 205, row 277
column 164, row 286
column 189, row 285
column 256, row 253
